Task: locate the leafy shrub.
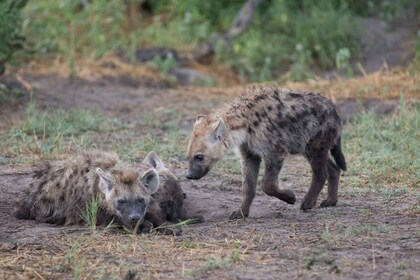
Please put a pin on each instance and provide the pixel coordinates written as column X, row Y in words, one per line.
column 10, row 26
column 285, row 35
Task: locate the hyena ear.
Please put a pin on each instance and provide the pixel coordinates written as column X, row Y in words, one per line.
column 150, row 181
column 105, row 181
column 153, row 160
column 219, row 133
column 200, row 118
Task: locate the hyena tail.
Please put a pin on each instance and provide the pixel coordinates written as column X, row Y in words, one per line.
column 338, row 155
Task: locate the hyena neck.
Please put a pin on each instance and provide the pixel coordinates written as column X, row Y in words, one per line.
column 235, row 136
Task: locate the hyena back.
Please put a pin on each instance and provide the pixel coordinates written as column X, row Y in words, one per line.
column 60, row 191
column 167, row 203
column 270, row 123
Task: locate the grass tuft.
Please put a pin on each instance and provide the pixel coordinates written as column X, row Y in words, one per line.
column 90, row 213
column 385, row 151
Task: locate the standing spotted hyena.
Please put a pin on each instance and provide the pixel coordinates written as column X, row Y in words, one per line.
column 167, row 203
column 270, row 123
column 61, row 190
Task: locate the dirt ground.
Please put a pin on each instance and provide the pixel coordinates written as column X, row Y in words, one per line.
column 370, row 234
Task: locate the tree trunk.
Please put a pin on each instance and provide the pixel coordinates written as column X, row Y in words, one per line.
column 241, row 23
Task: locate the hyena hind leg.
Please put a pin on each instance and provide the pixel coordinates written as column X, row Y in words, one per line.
column 270, row 183
column 318, row 162
column 333, row 180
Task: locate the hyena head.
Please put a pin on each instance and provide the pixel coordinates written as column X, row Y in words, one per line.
column 128, row 193
column 207, row 145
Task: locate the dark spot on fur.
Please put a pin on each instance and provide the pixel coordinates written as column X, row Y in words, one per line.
column 324, row 116
column 295, row 95
column 250, row 130
column 257, row 114
column 62, row 198
column 255, row 123
column 305, row 123
column 261, row 97
column 293, row 107
column 264, row 114
column 269, row 108
column 302, row 115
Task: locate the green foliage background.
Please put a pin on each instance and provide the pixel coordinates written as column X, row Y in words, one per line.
column 10, row 25
column 292, row 36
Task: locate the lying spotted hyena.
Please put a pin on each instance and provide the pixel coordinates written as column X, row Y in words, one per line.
column 60, row 191
column 167, row 203
column 270, row 123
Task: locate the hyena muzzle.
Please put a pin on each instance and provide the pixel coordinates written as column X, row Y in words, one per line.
column 268, row 123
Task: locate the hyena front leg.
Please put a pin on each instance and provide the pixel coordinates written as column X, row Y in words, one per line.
column 333, row 180
column 318, row 163
column 250, row 168
column 270, row 183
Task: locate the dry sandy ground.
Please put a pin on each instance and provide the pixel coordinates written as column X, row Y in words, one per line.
column 371, row 234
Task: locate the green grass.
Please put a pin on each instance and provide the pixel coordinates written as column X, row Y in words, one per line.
column 90, row 213
column 52, row 132
column 385, row 151
column 213, row 263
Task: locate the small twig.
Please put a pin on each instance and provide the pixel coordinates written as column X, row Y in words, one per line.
column 361, row 69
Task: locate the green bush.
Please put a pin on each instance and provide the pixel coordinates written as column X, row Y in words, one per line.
column 285, row 35
column 10, row 26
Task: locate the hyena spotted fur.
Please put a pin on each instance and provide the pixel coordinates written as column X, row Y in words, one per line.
column 167, row 203
column 61, row 190
column 270, row 123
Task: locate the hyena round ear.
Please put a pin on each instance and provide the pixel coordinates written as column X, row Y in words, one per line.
column 105, row 181
column 150, row 181
column 153, row 160
column 200, row 118
column 219, row 133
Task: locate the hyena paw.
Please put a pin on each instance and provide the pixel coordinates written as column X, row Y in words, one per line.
column 328, row 203
column 170, row 231
column 288, row 196
column 308, row 203
column 146, row 227
column 238, row 214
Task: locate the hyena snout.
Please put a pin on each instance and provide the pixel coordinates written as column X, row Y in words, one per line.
column 134, row 217
column 196, row 172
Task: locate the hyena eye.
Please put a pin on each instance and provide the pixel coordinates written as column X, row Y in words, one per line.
column 121, row 201
column 140, row 200
column 198, row 157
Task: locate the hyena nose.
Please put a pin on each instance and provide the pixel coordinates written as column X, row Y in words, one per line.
column 134, row 217
column 189, row 175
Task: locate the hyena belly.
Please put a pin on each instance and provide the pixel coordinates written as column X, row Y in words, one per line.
column 61, row 191
column 167, row 203
column 268, row 124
